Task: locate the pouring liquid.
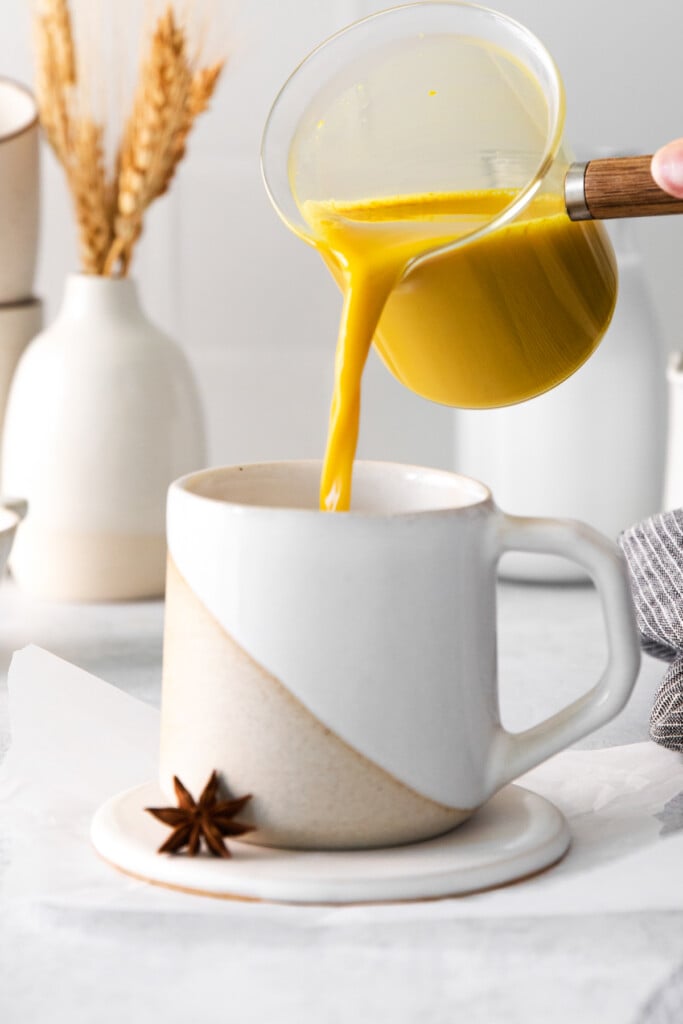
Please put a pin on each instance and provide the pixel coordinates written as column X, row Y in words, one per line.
column 496, row 321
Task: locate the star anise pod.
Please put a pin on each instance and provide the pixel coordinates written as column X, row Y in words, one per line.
column 208, row 818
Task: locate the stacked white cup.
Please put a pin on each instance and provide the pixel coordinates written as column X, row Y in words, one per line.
column 20, row 312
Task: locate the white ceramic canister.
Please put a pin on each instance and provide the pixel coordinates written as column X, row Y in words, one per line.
column 591, row 449
column 103, row 414
column 673, row 480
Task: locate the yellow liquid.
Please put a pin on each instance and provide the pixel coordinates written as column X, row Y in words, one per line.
column 494, row 322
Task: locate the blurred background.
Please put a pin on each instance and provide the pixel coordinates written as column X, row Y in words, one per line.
column 253, row 306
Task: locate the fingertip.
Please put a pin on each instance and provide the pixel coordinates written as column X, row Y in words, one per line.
column 667, row 168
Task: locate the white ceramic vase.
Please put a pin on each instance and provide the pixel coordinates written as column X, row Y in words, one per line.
column 103, row 414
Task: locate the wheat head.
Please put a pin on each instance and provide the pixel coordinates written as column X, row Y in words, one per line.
column 170, row 95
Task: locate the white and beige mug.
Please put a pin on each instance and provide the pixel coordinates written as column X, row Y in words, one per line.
column 19, row 192
column 341, row 667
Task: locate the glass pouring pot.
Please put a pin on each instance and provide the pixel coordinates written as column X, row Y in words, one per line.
column 427, row 141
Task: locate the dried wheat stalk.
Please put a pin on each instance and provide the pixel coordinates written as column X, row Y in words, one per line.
column 91, row 194
column 57, row 13
column 170, row 95
column 56, row 72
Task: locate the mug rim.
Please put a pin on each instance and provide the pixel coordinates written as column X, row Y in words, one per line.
column 20, row 87
column 481, row 496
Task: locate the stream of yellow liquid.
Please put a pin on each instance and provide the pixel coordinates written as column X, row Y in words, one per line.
column 490, row 323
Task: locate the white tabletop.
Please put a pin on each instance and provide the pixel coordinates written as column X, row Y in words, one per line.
column 72, row 965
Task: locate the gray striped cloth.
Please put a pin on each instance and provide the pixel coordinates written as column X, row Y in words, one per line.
column 654, row 552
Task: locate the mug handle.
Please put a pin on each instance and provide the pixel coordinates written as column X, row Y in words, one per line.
column 515, row 753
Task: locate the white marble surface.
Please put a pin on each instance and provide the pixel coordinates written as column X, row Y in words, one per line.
column 76, row 965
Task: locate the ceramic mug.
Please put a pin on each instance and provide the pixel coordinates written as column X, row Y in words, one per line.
column 19, row 192
column 341, row 667
column 19, row 324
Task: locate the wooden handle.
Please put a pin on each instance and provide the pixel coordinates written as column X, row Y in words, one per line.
column 619, row 187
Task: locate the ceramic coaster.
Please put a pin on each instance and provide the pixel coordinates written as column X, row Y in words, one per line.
column 516, row 834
